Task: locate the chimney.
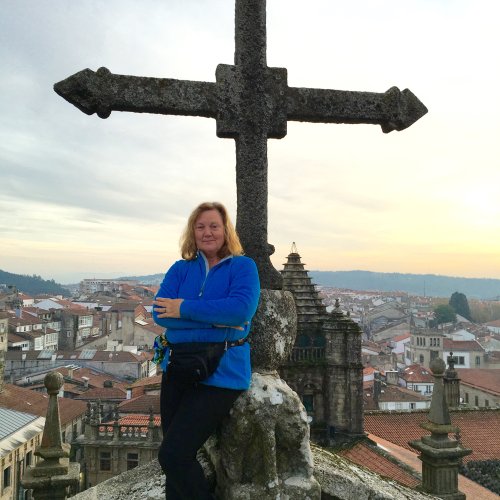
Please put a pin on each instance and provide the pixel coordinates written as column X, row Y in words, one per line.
column 377, row 387
column 2, row 368
column 70, row 373
column 85, row 382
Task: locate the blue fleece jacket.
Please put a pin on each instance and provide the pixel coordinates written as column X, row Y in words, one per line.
column 226, row 294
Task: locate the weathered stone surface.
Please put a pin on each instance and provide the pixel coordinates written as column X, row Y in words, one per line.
column 343, row 480
column 339, row 479
column 274, row 328
column 262, row 450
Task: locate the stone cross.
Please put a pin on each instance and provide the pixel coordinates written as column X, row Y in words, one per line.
column 250, row 102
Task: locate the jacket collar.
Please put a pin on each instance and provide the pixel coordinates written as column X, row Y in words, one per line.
column 205, row 260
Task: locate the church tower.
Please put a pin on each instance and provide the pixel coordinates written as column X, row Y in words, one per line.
column 325, row 365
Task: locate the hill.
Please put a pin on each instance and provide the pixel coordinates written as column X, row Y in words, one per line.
column 32, row 285
column 431, row 285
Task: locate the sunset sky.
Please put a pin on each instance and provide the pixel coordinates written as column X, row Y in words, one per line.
column 83, row 197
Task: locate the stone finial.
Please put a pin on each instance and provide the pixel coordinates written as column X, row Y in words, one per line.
column 439, row 413
column 51, row 477
column 52, row 448
column 116, row 414
column 451, row 361
column 440, row 455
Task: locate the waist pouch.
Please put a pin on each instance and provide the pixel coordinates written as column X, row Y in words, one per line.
column 191, row 362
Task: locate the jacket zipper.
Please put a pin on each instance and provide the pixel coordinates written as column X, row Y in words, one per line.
column 207, row 271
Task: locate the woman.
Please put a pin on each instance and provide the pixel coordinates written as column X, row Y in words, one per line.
column 209, row 296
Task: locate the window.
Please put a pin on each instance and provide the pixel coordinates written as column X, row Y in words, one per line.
column 29, row 458
column 421, row 358
column 467, row 397
column 459, row 360
column 6, row 477
column 132, row 460
column 105, row 460
column 486, row 402
column 476, row 400
column 412, row 406
column 308, row 400
column 303, row 341
column 478, row 360
column 319, row 341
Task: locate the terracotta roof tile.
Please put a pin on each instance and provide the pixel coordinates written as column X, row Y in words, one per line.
column 141, row 404
column 484, row 379
column 28, row 401
column 132, row 420
column 79, row 375
column 404, row 336
column 462, row 345
column 367, row 456
column 417, row 373
column 139, row 420
column 103, row 393
column 478, row 429
column 147, row 381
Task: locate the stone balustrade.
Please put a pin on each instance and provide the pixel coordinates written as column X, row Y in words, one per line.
column 307, row 354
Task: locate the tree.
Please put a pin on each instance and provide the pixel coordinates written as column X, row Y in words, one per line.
column 444, row 314
column 460, row 305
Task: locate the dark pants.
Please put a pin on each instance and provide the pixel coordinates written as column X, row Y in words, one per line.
column 189, row 415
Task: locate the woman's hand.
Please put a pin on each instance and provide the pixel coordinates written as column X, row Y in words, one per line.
column 168, row 308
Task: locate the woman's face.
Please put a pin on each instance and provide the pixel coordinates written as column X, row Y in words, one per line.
column 209, row 232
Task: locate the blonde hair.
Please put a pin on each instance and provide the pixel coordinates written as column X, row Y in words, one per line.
column 232, row 244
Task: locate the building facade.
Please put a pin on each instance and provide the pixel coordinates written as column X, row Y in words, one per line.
column 118, row 445
column 325, row 367
column 20, row 435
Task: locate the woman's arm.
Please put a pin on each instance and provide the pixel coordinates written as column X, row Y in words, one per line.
column 170, row 289
column 240, row 304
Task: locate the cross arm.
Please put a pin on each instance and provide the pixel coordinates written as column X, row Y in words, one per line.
column 392, row 110
column 102, row 92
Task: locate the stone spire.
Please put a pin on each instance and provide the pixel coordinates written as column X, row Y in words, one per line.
column 52, row 477
column 440, row 455
column 310, row 308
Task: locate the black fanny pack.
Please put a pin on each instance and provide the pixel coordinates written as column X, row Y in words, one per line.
column 191, row 362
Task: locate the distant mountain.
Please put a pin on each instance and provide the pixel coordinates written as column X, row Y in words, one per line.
column 431, row 285
column 32, row 285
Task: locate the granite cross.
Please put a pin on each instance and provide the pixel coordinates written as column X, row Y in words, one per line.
column 251, row 102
